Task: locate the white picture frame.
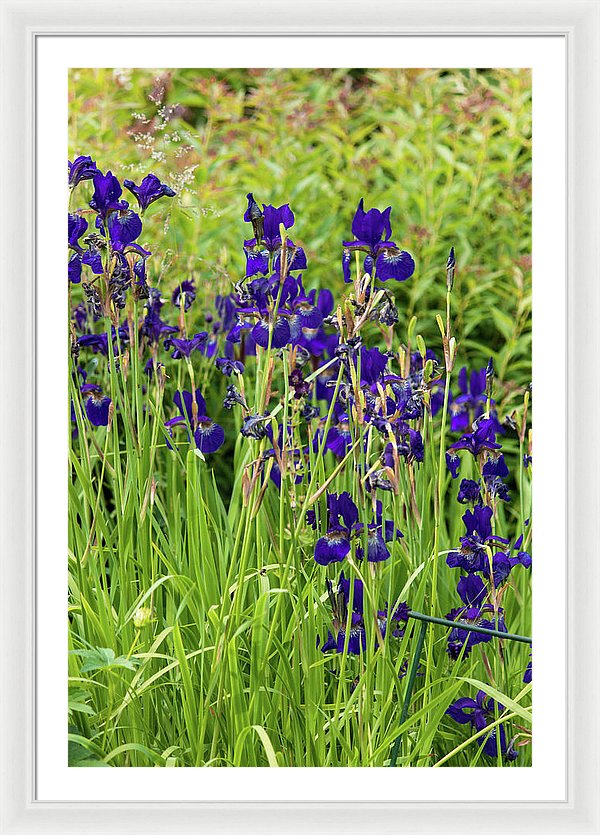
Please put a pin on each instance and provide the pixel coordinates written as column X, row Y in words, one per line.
column 22, row 23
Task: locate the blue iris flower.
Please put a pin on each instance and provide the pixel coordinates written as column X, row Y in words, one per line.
column 477, row 713
column 372, row 232
column 357, row 637
column 208, row 435
column 228, row 366
column 82, row 168
column 469, row 491
column 473, row 555
column 483, row 437
column 184, row 348
column 186, row 292
column 342, row 521
column 149, row 190
column 267, row 243
column 475, row 611
column 97, row 404
column 107, row 191
column 77, row 226
column 471, row 402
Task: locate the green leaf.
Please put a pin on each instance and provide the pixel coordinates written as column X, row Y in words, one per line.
column 102, row 658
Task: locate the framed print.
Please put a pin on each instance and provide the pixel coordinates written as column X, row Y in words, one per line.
column 269, row 498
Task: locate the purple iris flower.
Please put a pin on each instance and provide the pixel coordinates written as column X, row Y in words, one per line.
column 357, row 638
column 98, row 342
column 390, row 531
column 281, row 333
column 185, row 347
column 413, row 406
column 377, row 550
column 372, row 365
column 257, row 260
column 82, row 168
column 459, row 638
column 267, row 239
column 272, row 218
column 357, row 642
column 124, row 227
column 339, row 437
column 315, row 339
column 210, row 347
column 74, row 268
column 408, row 400
column 97, row 404
column 305, row 315
column 478, row 523
column 476, row 613
column 483, row 437
column 477, row 712
column 453, row 463
column 494, row 470
column 256, row 310
column 295, row 258
column 185, row 404
column 107, row 191
column 370, row 228
column 342, row 521
column 527, row 676
column 209, row 436
column 372, row 232
column 141, row 284
column 93, row 259
column 409, row 444
column 469, row 492
column 80, row 317
column 473, row 555
column 77, row 226
column 153, row 327
column 226, row 307
column 471, row 590
column 414, row 451
column 228, row 366
column 471, row 402
column 149, row 190
column 503, row 563
column 185, row 291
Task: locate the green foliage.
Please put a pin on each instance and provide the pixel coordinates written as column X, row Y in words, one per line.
column 101, row 658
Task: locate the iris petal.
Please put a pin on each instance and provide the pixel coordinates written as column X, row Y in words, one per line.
column 209, row 436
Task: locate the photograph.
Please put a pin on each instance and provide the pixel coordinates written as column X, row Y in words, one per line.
column 299, row 417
